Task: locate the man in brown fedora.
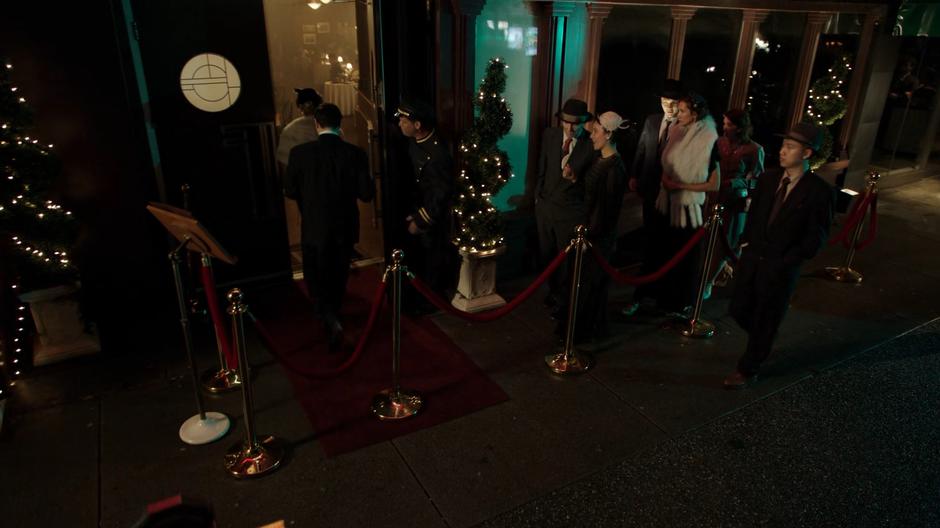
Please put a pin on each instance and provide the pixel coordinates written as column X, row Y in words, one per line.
column 559, row 189
column 787, row 224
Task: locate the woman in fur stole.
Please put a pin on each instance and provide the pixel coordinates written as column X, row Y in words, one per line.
column 690, row 169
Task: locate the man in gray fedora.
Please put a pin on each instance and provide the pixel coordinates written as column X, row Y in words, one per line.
column 787, row 224
column 559, row 189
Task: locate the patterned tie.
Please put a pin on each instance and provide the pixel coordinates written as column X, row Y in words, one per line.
column 778, row 199
column 566, row 147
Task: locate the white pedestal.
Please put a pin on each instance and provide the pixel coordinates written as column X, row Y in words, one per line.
column 60, row 332
column 196, row 431
column 477, row 282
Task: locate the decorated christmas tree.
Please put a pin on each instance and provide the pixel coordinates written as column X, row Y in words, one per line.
column 37, row 233
column 484, row 168
column 827, row 105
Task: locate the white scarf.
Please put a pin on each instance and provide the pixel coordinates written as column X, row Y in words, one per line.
column 687, row 159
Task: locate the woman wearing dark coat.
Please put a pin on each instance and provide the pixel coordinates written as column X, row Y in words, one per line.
column 604, row 185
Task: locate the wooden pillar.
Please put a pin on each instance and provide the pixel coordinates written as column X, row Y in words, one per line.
column 464, row 60
column 542, row 98
column 680, row 21
column 859, row 74
column 750, row 23
column 804, row 69
column 587, row 87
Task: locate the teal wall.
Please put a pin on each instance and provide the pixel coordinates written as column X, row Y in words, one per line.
column 506, row 29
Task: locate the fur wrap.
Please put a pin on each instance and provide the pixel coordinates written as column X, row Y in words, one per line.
column 687, row 159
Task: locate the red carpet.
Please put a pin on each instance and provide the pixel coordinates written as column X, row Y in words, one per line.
column 339, row 408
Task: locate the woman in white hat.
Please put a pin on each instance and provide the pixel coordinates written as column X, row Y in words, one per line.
column 604, row 185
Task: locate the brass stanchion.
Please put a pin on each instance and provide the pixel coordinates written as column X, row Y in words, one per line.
column 253, row 457
column 204, row 427
column 569, row 361
column 845, row 273
column 224, row 379
column 396, row 403
column 695, row 326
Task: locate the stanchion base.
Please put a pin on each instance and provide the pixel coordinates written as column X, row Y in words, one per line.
column 843, row 274
column 216, row 381
column 196, row 431
column 696, row 328
column 395, row 405
column 573, row 364
column 244, row 461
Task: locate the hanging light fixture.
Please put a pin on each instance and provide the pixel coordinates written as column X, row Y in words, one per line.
column 315, row 5
column 324, row 2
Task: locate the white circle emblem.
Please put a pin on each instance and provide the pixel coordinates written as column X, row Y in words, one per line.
column 210, row 82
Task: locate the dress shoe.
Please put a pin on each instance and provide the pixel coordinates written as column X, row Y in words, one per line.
column 736, row 380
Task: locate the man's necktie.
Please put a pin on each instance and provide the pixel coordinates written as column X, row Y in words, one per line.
column 778, row 199
column 566, row 147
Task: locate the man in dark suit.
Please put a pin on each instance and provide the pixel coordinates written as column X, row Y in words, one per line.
column 430, row 219
column 646, row 175
column 566, row 155
column 326, row 177
column 787, row 224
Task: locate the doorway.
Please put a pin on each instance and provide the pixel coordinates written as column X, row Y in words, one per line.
column 329, row 45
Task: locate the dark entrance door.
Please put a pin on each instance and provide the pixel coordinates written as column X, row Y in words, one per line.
column 225, row 156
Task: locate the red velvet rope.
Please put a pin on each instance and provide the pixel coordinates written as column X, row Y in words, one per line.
column 215, row 312
column 656, row 275
column 377, row 302
column 491, row 315
column 854, row 216
column 872, row 224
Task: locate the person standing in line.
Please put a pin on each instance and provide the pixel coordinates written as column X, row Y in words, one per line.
column 326, row 177
column 690, row 169
column 787, row 224
column 302, row 129
column 604, row 186
column 431, row 220
column 645, row 176
column 559, row 192
column 742, row 162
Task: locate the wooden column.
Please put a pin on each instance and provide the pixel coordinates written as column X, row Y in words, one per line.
column 859, row 75
column 587, row 87
column 750, row 23
column 804, row 69
column 465, row 16
column 680, row 21
column 542, row 98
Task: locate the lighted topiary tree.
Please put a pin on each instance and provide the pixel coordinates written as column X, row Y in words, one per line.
column 484, row 168
column 827, row 105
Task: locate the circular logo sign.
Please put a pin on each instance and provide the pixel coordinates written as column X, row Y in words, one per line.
column 210, row 82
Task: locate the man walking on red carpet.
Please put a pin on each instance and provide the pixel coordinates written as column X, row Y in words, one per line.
column 326, row 177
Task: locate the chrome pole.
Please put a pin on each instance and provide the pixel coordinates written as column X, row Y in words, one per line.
column 253, row 457
column 569, row 361
column 696, row 327
column 396, row 403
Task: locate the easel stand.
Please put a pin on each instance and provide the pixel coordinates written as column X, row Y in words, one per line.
column 204, row 427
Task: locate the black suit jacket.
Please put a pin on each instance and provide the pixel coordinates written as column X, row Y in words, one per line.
column 770, row 264
column 647, row 166
column 326, row 177
column 553, row 191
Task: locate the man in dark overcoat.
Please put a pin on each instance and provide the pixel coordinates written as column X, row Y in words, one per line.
column 326, row 177
column 787, row 224
column 646, row 175
column 566, row 155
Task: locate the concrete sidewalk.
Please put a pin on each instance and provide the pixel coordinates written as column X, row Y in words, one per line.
column 831, row 435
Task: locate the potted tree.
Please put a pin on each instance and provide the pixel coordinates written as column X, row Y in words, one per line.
column 38, row 234
column 484, row 169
